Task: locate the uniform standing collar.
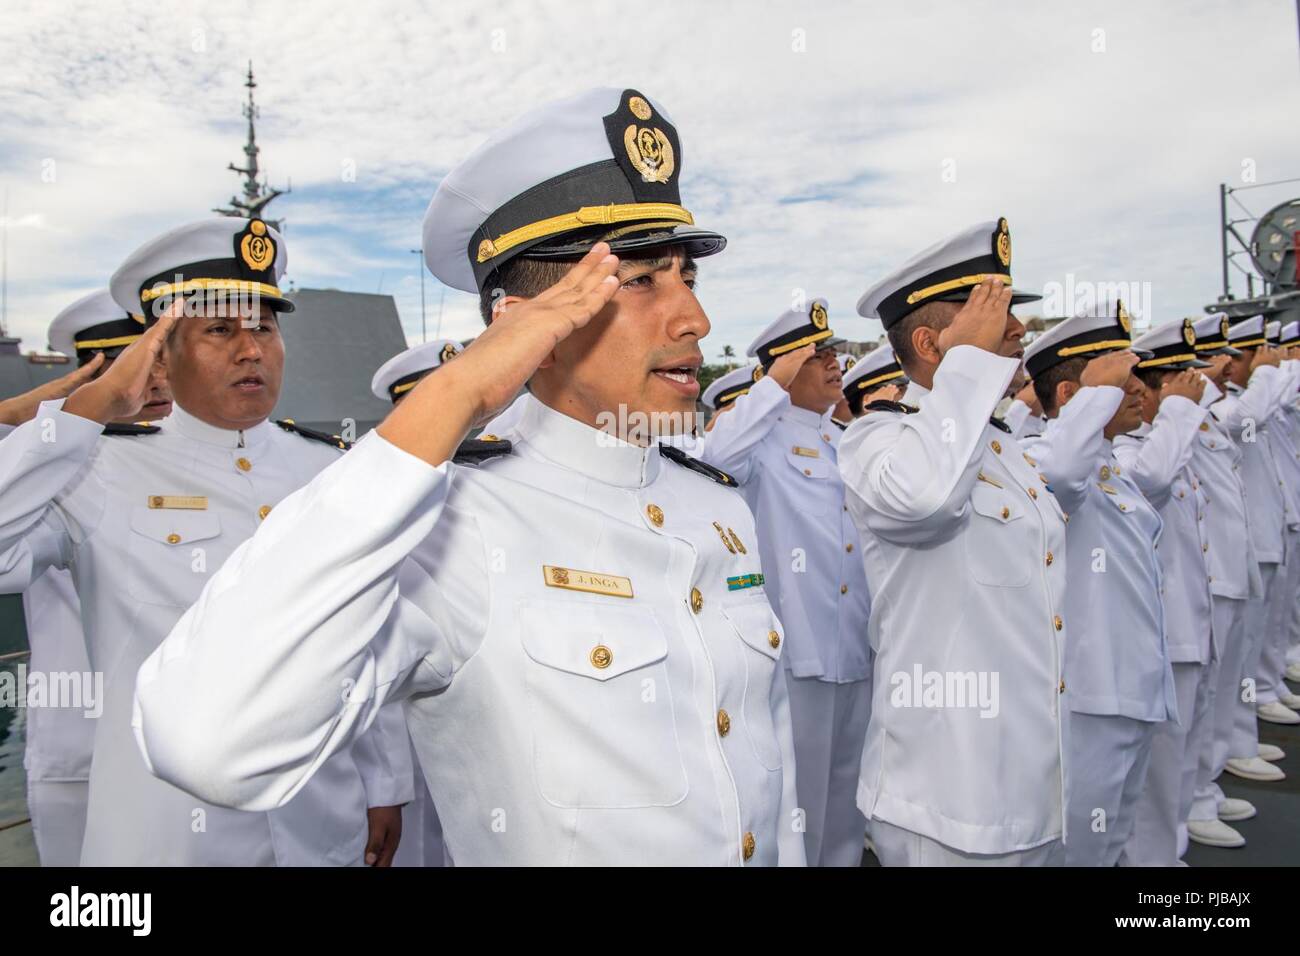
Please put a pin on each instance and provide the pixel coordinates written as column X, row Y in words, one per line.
column 183, row 423
column 589, row 451
column 802, row 416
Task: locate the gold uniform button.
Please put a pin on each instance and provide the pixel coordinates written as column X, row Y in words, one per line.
column 1049, row 559
column 844, row 589
column 601, row 657
column 243, row 464
column 1123, row 507
column 774, row 639
column 1006, row 512
column 697, row 600
column 827, row 437
column 724, row 723
column 263, row 511
column 1105, row 473
column 1033, row 493
column 173, row 539
column 849, row 547
column 1205, row 426
column 996, row 446
column 1057, row 622
column 748, row 845
column 807, row 471
column 1060, row 689
column 1205, row 547
column 656, row 515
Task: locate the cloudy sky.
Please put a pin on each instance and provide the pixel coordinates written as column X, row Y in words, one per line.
column 828, row 141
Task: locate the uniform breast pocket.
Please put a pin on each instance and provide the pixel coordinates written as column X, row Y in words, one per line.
column 762, row 639
column 171, row 553
column 1001, row 539
column 600, row 706
column 812, row 483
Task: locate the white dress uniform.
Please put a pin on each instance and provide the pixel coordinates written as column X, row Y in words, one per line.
column 957, row 530
column 1158, row 458
column 873, row 371
column 785, row 464
column 579, row 629
column 1233, row 577
column 1245, row 412
column 1117, row 662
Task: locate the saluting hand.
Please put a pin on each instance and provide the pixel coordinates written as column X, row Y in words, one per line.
column 1189, row 384
column 785, row 368
column 431, row 421
column 124, row 389
column 22, row 408
column 1265, row 355
column 982, row 321
column 1112, row 368
column 887, row 393
column 1030, row 398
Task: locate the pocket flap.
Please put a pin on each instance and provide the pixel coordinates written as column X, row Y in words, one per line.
column 809, row 467
column 995, row 503
column 757, row 626
column 599, row 642
column 175, row 527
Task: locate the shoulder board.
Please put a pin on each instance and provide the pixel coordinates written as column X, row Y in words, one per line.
column 999, row 423
column 472, row 451
column 885, row 405
column 289, row 425
column 118, row 428
column 841, row 425
column 697, row 466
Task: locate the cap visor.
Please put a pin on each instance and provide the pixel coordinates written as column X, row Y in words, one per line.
column 830, row 343
column 698, row 242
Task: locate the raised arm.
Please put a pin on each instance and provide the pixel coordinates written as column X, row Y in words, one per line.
column 1155, row 461
column 734, row 435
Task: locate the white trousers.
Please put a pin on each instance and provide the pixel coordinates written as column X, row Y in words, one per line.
column 1277, row 639
column 1262, row 618
column 58, row 810
column 898, row 847
column 830, row 729
column 1171, row 774
column 1230, row 629
column 1105, row 770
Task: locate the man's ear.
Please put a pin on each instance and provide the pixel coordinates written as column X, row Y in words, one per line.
column 1065, row 391
column 925, row 344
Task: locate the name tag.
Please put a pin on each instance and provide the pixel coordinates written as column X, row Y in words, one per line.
column 593, row 582
column 742, row 581
column 184, row 502
column 807, row 452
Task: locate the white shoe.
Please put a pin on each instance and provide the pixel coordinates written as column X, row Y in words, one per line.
column 1276, row 712
column 1293, row 672
column 1214, row 833
column 1290, row 700
column 1234, row 810
column 1252, row 768
column 1271, row 752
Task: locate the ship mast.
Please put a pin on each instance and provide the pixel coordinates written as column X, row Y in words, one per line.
column 256, row 195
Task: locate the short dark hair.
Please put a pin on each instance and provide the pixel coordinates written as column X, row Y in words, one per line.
column 1045, row 382
column 523, row 277
column 931, row 315
column 1152, row 378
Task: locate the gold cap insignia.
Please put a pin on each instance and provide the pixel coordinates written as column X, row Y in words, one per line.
column 1189, row 333
column 486, row 250
column 1121, row 314
column 257, row 248
column 759, row 372
column 1002, row 243
column 849, row 363
column 640, row 108
column 448, row 353
column 650, row 152
column 818, row 315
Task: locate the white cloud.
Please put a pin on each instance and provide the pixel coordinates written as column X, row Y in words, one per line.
column 1106, row 163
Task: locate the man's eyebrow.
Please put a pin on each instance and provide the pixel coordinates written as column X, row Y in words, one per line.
column 658, row 264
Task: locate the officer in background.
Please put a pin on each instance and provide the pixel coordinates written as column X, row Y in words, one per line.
column 141, row 516
column 962, row 764
column 840, row 414
column 876, row 376
column 723, row 391
column 577, row 623
column 1233, row 576
column 1158, row 455
column 1290, row 341
column 92, row 331
column 786, row 467
column 1120, row 686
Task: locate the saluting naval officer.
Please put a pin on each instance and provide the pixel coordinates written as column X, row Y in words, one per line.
column 141, row 516
column 1290, row 343
column 962, row 764
column 577, row 623
column 422, row 843
column 93, row 331
column 1120, row 686
column 1254, row 388
column 1233, row 576
column 840, row 414
column 876, row 376
column 1158, row 456
column 786, row 466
